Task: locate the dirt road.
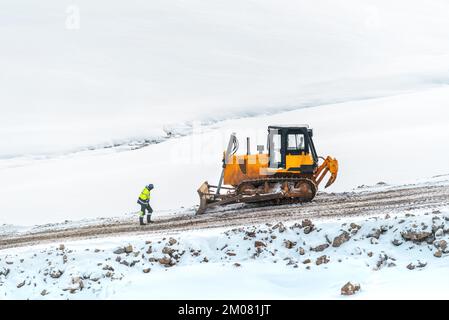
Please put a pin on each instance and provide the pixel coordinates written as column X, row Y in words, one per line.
column 384, row 200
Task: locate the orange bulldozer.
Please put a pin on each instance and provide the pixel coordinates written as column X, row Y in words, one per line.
column 290, row 172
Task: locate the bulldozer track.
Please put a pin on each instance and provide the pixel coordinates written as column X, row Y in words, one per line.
column 281, row 180
column 325, row 205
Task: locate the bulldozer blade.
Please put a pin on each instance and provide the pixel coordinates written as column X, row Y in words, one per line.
column 210, row 198
column 204, row 193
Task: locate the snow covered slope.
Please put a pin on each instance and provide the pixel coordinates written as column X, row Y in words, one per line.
column 92, row 73
column 396, row 139
column 396, row 256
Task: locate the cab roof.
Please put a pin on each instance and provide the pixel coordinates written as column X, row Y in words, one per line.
column 292, row 126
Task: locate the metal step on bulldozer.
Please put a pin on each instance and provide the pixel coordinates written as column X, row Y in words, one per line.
column 289, row 173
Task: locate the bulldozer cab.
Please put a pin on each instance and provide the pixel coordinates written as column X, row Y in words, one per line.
column 284, row 141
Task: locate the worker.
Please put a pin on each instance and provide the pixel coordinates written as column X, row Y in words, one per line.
column 144, row 201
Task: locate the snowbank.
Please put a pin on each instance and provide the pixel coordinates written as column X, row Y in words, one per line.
column 392, row 256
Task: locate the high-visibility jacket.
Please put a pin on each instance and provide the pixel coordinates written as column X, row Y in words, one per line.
column 144, row 196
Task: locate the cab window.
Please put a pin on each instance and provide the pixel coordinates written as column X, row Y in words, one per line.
column 277, row 148
column 295, row 142
column 275, row 145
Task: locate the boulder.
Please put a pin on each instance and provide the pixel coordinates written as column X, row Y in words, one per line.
column 125, row 263
column 4, row 272
column 119, row 250
column 279, row 226
column 172, row 241
column 306, row 223
column 290, row 262
column 167, row 250
column 55, row 274
column 289, row 244
column 375, row 234
column 61, row 247
column 354, row 226
column 301, row 251
column 339, row 240
column 78, row 283
column 438, row 254
column 421, row 264
column 307, row 229
column 165, row 261
column 133, row 263
column 439, row 233
column 146, row 270
column 250, row 234
column 108, row 267
column 321, row 260
column 396, row 242
column 128, row 248
column 416, row 236
column 383, row 258
column 320, row 248
column 259, row 244
column 350, row 289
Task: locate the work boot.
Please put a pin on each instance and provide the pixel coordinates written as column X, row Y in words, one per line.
column 149, row 219
column 141, row 221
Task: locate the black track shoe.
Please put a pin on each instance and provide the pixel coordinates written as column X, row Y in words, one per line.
column 141, row 221
column 149, row 219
